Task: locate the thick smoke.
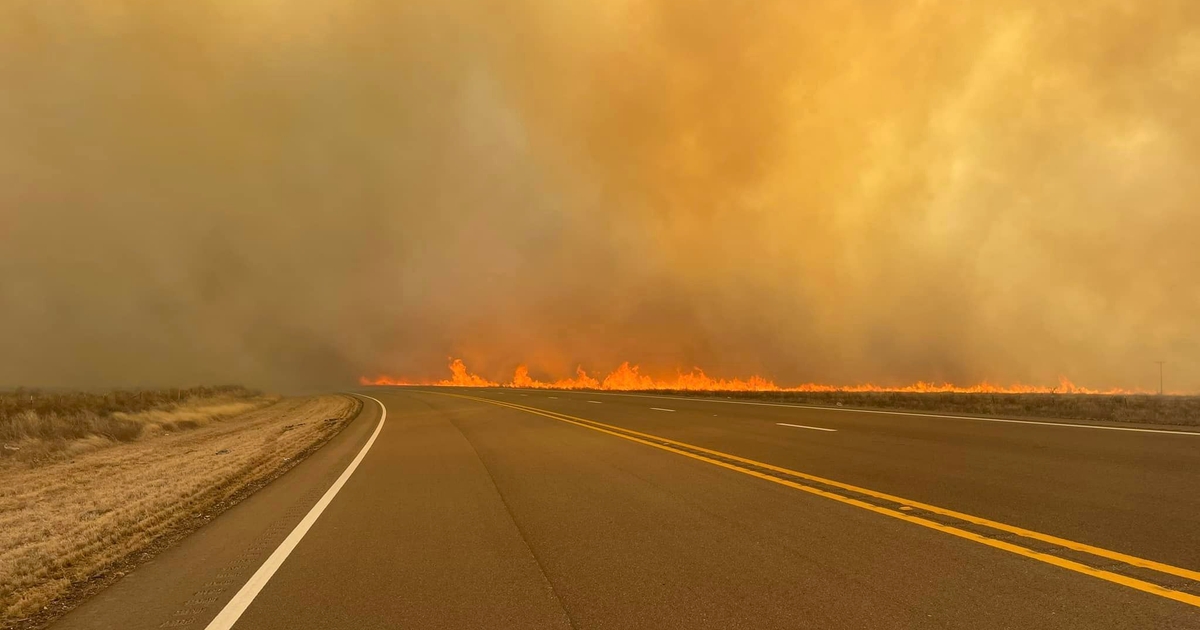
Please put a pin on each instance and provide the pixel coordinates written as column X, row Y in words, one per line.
column 297, row 194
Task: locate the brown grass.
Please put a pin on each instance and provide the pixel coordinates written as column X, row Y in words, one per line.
column 67, row 520
column 36, row 426
column 1147, row 409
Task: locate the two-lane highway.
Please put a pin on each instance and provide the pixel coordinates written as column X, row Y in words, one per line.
column 1136, row 488
column 546, row 509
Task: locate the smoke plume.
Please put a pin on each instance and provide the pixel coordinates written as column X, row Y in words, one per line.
column 296, row 194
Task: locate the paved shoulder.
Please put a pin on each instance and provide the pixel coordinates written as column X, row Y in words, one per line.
column 186, row 585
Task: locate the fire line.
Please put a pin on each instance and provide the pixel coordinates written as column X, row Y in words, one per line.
column 628, row 377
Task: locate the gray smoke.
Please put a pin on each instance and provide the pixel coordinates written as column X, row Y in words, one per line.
column 296, row 194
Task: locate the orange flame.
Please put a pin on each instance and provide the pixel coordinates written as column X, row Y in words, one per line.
column 459, row 377
column 521, row 378
column 628, row 378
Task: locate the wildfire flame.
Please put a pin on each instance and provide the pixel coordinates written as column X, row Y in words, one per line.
column 627, row 377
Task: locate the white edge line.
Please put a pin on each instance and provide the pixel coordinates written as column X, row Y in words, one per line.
column 661, row 409
column 242, row 599
column 1072, row 425
column 801, row 426
column 595, row 402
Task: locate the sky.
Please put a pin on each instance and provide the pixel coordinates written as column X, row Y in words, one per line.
column 294, row 195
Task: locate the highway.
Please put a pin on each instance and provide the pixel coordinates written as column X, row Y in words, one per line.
column 502, row 508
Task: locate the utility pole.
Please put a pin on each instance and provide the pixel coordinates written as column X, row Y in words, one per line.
column 1160, row 377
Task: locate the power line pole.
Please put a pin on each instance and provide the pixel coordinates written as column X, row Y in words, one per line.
column 1160, row 377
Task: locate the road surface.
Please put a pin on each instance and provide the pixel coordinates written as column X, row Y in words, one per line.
column 543, row 509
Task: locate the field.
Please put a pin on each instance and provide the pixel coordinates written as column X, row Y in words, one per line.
column 92, row 484
column 1142, row 409
column 36, row 426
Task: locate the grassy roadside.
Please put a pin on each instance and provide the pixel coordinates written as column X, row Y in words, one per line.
column 38, row 426
column 69, row 523
column 1142, row 409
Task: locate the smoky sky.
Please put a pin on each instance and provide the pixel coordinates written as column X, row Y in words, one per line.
column 295, row 194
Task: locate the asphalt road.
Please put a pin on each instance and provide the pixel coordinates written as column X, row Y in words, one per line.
column 536, row 509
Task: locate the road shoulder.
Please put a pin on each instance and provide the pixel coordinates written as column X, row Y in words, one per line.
column 188, row 583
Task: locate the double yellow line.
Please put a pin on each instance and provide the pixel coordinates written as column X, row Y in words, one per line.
column 742, row 464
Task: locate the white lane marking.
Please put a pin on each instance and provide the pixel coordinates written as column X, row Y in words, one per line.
column 1072, row 425
column 241, row 600
column 553, row 397
column 595, row 402
column 661, row 409
column 801, row 426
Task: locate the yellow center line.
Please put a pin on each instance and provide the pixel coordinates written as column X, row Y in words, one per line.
column 675, row 447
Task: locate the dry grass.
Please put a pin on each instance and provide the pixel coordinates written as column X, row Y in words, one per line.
column 68, row 520
column 36, row 426
column 1170, row 410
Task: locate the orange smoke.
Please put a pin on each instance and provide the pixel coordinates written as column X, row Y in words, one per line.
column 459, row 377
column 628, row 378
